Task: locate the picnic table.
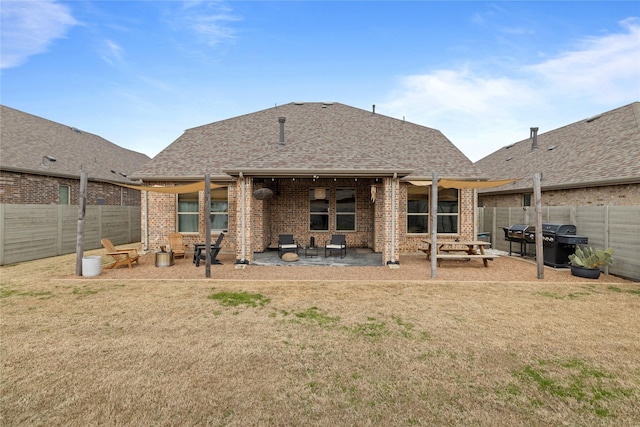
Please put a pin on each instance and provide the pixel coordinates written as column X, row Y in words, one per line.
column 459, row 250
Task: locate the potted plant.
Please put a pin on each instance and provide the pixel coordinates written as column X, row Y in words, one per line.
column 586, row 262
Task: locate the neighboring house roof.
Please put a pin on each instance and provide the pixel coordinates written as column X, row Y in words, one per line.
column 319, row 138
column 28, row 140
column 601, row 150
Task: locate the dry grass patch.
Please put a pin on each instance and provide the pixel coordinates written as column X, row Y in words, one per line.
column 323, row 352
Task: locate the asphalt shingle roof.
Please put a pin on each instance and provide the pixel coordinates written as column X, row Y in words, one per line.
column 318, row 136
column 603, row 149
column 25, row 139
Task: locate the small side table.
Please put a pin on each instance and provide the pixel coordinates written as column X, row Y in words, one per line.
column 164, row 259
column 310, row 251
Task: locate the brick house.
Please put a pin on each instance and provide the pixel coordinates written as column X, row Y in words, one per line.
column 327, row 167
column 592, row 162
column 40, row 163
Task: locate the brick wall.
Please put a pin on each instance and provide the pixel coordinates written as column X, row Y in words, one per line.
column 290, row 210
column 612, row 195
column 162, row 219
column 287, row 212
column 411, row 242
column 22, row 188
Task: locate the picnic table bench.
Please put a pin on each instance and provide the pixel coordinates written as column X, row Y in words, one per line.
column 459, row 250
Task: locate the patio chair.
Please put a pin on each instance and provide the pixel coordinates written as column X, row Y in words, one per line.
column 200, row 252
column 286, row 243
column 177, row 245
column 120, row 256
column 338, row 242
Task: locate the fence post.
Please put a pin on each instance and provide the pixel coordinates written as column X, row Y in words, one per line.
column 82, row 207
column 606, row 234
column 2, row 233
column 129, row 222
column 207, row 224
column 537, row 194
column 494, row 227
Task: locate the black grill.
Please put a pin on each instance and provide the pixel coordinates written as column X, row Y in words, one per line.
column 519, row 233
column 558, row 242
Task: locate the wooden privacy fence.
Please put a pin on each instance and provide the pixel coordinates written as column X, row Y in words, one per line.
column 605, row 226
column 38, row 231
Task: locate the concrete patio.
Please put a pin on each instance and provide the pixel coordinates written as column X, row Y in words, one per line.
column 356, row 257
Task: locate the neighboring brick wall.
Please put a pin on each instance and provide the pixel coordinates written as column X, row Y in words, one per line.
column 612, row 195
column 22, row 188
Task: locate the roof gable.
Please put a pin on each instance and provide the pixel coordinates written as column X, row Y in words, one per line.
column 330, row 136
column 603, row 149
column 27, row 140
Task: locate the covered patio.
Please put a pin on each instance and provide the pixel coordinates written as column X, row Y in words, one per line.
column 356, row 257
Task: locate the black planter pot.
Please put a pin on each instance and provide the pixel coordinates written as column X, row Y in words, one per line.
column 587, row 273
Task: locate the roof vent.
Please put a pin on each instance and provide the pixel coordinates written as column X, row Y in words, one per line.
column 534, row 138
column 299, row 102
column 553, row 147
column 281, row 120
column 47, row 159
column 76, row 130
column 509, row 158
column 592, row 118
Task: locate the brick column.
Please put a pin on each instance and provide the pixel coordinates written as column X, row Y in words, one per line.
column 244, row 224
column 390, row 251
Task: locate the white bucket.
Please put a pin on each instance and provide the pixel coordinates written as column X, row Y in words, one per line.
column 91, row 266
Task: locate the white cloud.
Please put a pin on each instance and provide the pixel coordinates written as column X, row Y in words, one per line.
column 607, row 66
column 210, row 21
column 29, row 28
column 112, row 53
column 478, row 114
column 481, row 111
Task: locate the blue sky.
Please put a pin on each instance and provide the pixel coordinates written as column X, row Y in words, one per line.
column 139, row 73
